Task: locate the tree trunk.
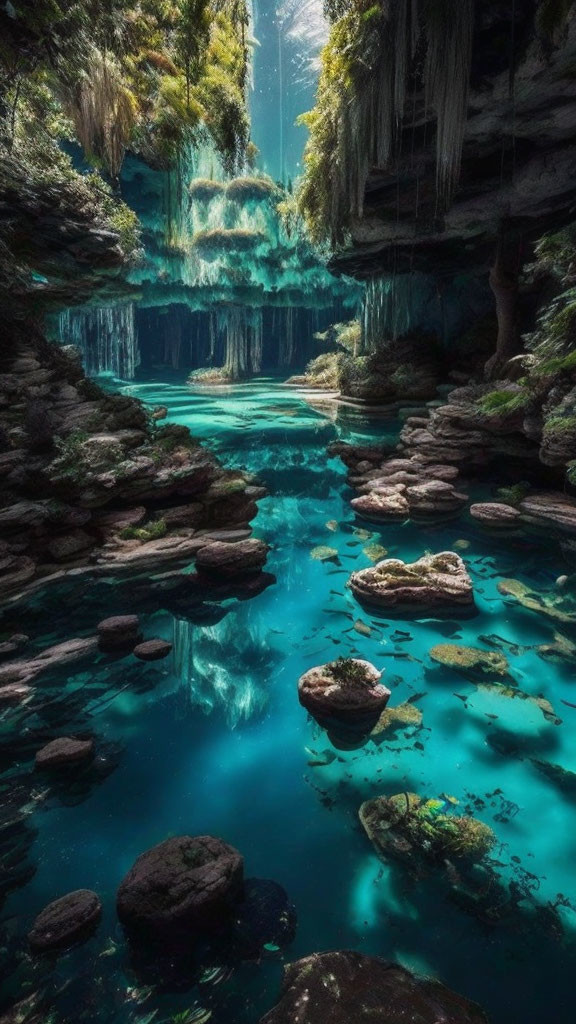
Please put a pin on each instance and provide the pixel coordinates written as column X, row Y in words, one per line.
column 504, row 284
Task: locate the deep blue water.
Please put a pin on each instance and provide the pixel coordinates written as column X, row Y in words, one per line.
column 215, row 741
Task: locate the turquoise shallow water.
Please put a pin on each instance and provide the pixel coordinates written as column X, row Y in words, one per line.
column 215, row 741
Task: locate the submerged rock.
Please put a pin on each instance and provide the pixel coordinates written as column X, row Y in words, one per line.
column 180, row 889
column 69, row 920
column 119, row 633
column 345, row 697
column 64, row 752
column 264, row 919
column 416, row 831
column 470, row 660
column 152, row 650
column 221, row 558
column 434, row 584
column 349, row 988
column 403, row 716
column 556, row 606
column 495, row 514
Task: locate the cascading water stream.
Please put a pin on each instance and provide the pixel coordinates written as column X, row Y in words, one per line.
column 106, row 338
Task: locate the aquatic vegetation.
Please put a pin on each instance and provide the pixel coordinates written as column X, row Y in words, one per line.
column 324, row 553
column 415, row 829
column 514, row 493
column 375, row 552
column 151, row 531
column 204, row 190
column 253, row 190
column 211, row 244
column 555, row 606
column 403, row 716
column 470, row 660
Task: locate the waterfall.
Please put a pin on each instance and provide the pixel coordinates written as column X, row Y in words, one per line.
column 287, row 341
column 224, row 667
column 106, row 338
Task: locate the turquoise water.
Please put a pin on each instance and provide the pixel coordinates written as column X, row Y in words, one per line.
column 215, row 741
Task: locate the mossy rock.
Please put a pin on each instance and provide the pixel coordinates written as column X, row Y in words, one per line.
column 204, row 190
column 416, row 830
column 323, row 553
column 403, row 716
column 553, row 606
column 470, row 661
column 253, row 190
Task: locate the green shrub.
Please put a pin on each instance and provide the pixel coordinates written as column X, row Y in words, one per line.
column 514, row 493
column 151, row 531
column 504, row 401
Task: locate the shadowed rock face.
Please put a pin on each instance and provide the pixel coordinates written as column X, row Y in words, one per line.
column 432, row 585
column 519, row 158
column 180, row 888
column 66, row 921
column 345, row 987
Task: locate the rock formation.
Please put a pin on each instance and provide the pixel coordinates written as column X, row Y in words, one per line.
column 180, row 890
column 345, row 697
column 434, row 585
column 342, row 987
column 65, row 922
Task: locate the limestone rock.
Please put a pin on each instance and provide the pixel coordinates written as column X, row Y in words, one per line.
column 223, row 559
column 435, row 584
column 495, row 514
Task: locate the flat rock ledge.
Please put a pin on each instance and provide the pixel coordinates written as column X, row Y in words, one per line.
column 65, row 752
column 180, row 889
column 341, row 987
column 227, row 560
column 434, row 585
column 65, row 922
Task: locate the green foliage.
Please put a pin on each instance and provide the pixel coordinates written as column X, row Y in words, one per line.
column 347, row 670
column 153, row 530
column 514, row 493
column 172, row 436
column 69, row 462
column 504, row 401
column 323, row 371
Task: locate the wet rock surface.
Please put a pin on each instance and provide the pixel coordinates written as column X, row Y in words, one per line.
column 81, row 488
column 435, row 584
column 180, row 889
column 119, row 633
column 345, row 697
column 228, row 560
column 65, row 752
column 342, row 987
column 152, row 650
column 66, row 921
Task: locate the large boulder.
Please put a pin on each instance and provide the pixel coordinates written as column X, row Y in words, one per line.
column 434, row 585
column 345, row 697
column 346, row 987
column 181, row 889
column 69, row 920
column 152, row 650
